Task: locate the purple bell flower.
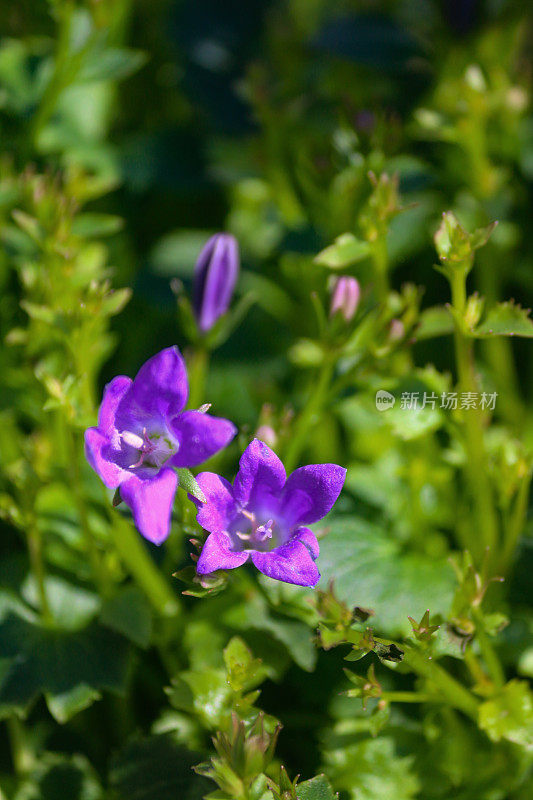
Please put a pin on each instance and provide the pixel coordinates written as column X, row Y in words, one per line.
column 143, row 432
column 263, row 516
column 345, row 297
column 215, row 276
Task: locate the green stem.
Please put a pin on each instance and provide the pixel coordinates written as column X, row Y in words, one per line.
column 380, row 257
column 490, row 658
column 516, row 524
column 451, row 690
column 198, row 367
column 317, row 394
column 21, row 753
column 35, row 552
column 473, row 429
column 143, row 569
column 410, row 697
column 97, row 564
column 57, row 81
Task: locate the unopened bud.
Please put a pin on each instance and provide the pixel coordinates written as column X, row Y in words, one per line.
column 345, row 297
column 215, row 276
column 267, row 434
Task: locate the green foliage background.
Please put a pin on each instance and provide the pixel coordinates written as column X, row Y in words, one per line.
column 130, row 131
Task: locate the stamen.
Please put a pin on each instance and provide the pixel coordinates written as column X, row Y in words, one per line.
column 133, row 439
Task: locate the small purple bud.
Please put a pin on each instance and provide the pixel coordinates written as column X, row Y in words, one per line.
column 267, row 434
column 345, row 297
column 215, row 276
column 396, row 330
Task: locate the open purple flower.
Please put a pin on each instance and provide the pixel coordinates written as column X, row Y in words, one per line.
column 143, row 432
column 263, row 516
column 215, row 276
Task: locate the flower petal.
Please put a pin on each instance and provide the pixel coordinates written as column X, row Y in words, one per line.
column 159, row 390
column 217, row 555
column 200, row 436
column 307, row 537
column 150, row 499
column 114, row 391
column 220, row 509
column 291, row 563
column 310, row 492
column 98, row 452
column 260, row 478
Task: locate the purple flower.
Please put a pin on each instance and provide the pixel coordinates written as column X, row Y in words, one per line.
column 215, row 275
column 263, row 516
column 345, row 297
column 143, row 432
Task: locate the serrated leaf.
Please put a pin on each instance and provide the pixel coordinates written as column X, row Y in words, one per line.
column 506, row 319
column 347, row 249
column 188, row 483
column 316, row 789
column 373, row 570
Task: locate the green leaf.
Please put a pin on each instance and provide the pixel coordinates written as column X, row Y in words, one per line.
column 244, row 671
column 156, row 768
column 91, row 225
column 296, row 636
column 435, row 321
column 128, row 613
column 188, row 483
column 370, row 569
column 115, row 301
column 69, row 668
column 509, row 715
column 206, row 693
column 110, row 64
column 71, row 606
column 59, row 776
column 316, row 789
column 175, row 254
column 506, row 319
column 346, row 250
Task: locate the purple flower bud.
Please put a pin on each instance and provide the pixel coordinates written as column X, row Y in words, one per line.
column 215, row 275
column 267, row 434
column 345, row 297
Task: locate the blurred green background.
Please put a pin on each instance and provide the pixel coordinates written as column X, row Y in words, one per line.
column 169, row 121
